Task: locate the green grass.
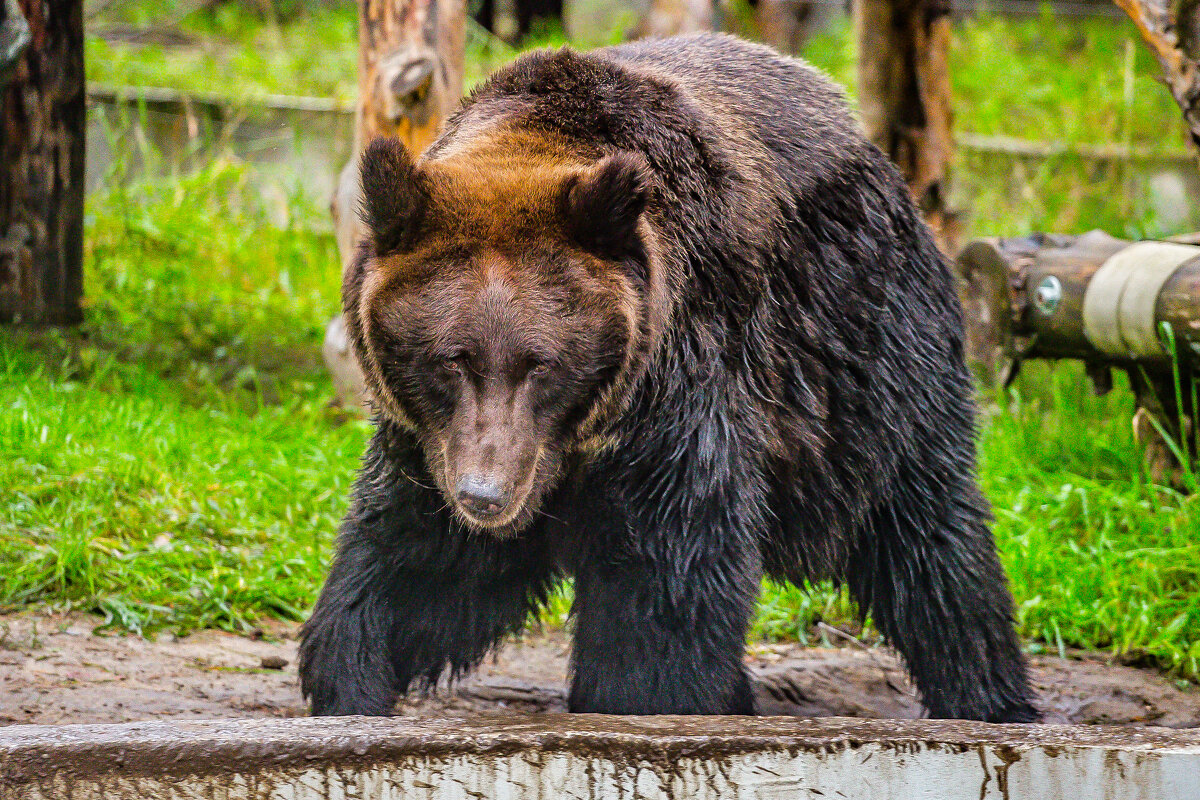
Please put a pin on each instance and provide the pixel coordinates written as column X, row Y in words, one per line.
column 1047, row 78
column 174, row 462
column 1098, row 556
column 316, row 54
column 1073, row 80
column 1059, row 80
column 232, row 52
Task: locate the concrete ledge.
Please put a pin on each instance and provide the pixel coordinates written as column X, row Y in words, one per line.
column 565, row 756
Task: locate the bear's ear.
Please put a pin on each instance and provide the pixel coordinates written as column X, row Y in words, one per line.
column 395, row 194
column 602, row 206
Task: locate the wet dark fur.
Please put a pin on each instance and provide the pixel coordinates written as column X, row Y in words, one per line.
column 805, row 413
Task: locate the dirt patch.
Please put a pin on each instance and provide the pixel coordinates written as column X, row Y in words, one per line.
column 55, row 670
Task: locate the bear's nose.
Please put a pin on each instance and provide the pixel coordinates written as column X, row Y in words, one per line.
column 481, row 496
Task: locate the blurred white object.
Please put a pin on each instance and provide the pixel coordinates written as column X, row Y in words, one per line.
column 339, row 358
column 1169, row 199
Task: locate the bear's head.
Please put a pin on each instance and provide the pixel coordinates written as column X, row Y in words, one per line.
column 501, row 308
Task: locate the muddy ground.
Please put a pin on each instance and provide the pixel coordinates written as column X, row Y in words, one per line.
column 55, row 670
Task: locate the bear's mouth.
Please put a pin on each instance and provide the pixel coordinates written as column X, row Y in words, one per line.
column 517, row 513
column 507, row 523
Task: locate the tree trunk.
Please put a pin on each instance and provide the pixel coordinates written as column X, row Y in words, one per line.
column 42, row 126
column 410, row 68
column 672, row 17
column 904, row 96
column 410, row 75
column 784, row 24
column 1172, row 31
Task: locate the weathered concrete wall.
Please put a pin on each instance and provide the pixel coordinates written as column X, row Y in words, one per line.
column 562, row 756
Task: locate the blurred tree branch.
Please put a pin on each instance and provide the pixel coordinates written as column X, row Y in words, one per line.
column 1172, row 31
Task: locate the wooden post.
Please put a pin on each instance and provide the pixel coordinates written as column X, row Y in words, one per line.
column 784, row 24
column 904, row 96
column 410, row 68
column 410, row 75
column 672, row 17
column 1172, row 31
column 42, row 125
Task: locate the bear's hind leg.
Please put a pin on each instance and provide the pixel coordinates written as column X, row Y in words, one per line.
column 927, row 569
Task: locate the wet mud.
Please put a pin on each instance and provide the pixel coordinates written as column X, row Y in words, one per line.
column 56, row 670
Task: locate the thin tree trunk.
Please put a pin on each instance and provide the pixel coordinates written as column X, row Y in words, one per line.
column 672, row 17
column 1171, row 28
column 785, row 24
column 410, row 74
column 42, row 127
column 904, row 96
column 410, row 67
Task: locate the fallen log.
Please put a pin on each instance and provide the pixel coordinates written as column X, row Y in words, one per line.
column 1110, row 303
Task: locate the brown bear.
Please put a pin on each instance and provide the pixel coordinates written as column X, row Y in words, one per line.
column 657, row 318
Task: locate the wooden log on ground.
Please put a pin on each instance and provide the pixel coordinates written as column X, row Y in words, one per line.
column 1109, row 303
column 904, row 97
column 410, row 79
column 42, row 130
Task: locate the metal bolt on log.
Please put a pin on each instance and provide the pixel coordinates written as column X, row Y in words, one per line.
column 1110, row 303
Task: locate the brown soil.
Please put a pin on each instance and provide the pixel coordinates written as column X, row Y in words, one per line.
column 55, row 670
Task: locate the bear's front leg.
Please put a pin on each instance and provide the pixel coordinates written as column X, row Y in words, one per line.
column 411, row 594
column 651, row 640
column 666, row 584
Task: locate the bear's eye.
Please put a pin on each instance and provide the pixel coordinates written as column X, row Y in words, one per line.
column 452, row 364
column 538, row 369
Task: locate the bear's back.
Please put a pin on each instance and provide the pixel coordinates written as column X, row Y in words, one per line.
column 779, row 119
column 788, row 101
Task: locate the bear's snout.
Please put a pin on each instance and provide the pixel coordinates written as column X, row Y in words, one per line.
column 482, row 496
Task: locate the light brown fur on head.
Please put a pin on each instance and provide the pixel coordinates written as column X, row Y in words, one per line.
column 502, row 308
